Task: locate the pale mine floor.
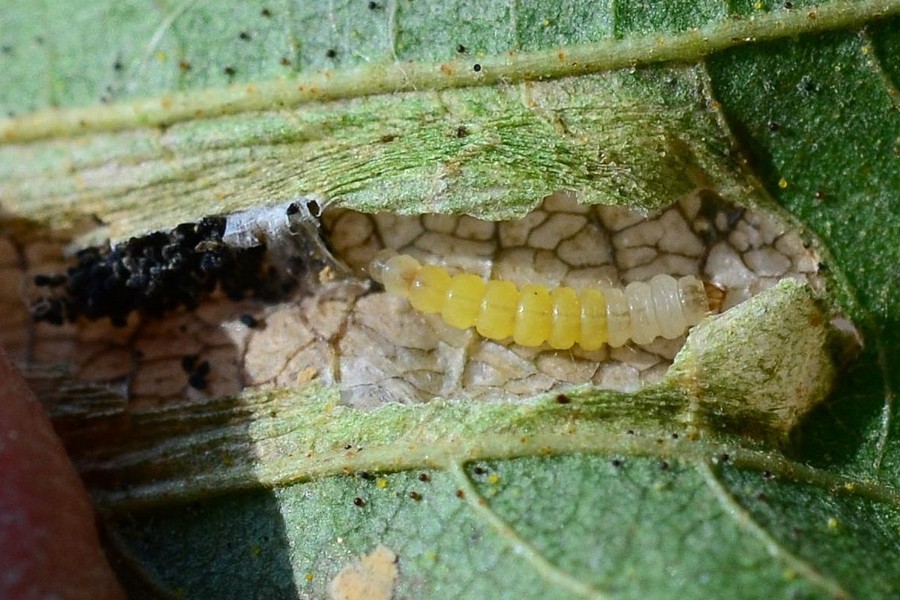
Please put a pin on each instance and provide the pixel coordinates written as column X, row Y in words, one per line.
column 375, row 346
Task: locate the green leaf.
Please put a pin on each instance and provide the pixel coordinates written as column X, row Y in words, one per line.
column 141, row 118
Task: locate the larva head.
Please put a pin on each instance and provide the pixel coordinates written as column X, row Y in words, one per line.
column 376, row 267
column 395, row 271
column 715, row 294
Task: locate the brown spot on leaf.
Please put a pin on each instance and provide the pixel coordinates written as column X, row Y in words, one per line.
column 370, row 577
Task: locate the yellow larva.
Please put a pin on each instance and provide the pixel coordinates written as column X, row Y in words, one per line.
column 663, row 307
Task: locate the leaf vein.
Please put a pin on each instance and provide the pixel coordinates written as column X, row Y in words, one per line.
column 745, row 521
column 613, row 54
column 520, row 547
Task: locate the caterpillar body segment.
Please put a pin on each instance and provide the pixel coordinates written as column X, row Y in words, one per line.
column 594, row 326
column 562, row 317
column 497, row 314
column 618, row 318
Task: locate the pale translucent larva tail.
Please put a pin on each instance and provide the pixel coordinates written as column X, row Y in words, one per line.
column 562, row 317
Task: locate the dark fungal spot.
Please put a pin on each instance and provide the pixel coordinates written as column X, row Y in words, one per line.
column 197, row 373
column 245, row 36
column 189, row 362
column 563, row 399
column 423, row 477
column 616, row 463
column 158, row 273
column 365, row 475
column 461, row 49
column 374, row 6
column 331, row 53
column 820, row 195
column 266, row 12
column 767, row 474
column 415, row 496
column 118, row 66
column 476, row 67
column 198, row 381
column 285, row 61
column 807, row 85
column 347, row 446
column 49, row 310
column 359, row 501
column 773, row 126
column 387, row 138
column 479, row 470
column 203, row 369
column 50, row 281
column 788, row 5
column 229, row 71
column 461, row 131
column 724, row 457
column 6, row 49
column 460, row 494
column 630, row 432
column 663, row 465
column 184, row 65
column 249, row 321
column 674, row 436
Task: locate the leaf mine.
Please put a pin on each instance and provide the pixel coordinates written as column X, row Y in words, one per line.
column 560, row 243
column 341, row 330
column 343, row 377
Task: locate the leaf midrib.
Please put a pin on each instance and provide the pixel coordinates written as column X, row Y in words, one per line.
column 403, row 454
column 513, row 67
